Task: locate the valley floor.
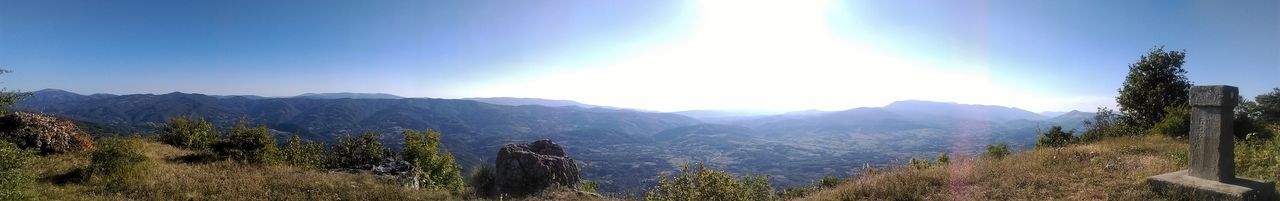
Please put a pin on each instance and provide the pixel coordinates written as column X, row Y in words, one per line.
column 1112, row 169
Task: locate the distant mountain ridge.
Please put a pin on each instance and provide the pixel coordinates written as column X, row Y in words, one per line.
column 348, row 95
column 624, row 149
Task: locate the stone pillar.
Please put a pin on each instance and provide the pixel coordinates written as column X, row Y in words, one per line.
column 1211, row 175
column 1212, row 148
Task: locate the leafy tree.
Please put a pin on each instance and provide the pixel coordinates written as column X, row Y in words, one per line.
column 996, row 151
column 438, row 169
column 1176, row 123
column 701, row 183
column 1102, row 125
column 16, row 176
column 189, row 133
column 1054, row 137
column 351, row 152
column 302, row 153
column 1157, row 81
column 8, row 98
column 1265, row 108
column 943, row 160
column 249, row 145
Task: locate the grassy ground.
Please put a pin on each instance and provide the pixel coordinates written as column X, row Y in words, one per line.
column 1112, row 169
column 173, row 179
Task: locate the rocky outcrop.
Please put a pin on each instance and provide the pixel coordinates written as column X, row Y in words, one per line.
column 390, row 169
column 526, row 169
column 43, row 132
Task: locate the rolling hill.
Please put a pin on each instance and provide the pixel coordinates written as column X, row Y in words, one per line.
column 623, row 149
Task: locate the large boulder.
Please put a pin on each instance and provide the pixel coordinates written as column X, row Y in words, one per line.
column 526, row 169
column 45, row 133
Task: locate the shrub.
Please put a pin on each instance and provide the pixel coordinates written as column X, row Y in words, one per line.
column 248, row 145
column 437, row 167
column 118, row 164
column 996, row 151
column 44, row 133
column 942, row 160
column 1176, row 122
column 590, row 186
column 1102, row 125
column 16, row 176
column 1258, row 159
column 352, row 152
column 701, row 183
column 482, row 183
column 1054, row 137
column 825, row 182
column 302, row 153
column 918, row 163
column 189, row 133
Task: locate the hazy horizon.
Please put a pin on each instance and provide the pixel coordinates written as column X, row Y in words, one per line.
column 650, row 55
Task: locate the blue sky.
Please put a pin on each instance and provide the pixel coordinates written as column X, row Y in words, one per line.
column 659, row 55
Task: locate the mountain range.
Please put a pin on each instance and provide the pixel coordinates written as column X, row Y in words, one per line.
column 622, row 149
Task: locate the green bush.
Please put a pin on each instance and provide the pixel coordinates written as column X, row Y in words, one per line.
column 16, row 177
column 189, row 133
column 1155, row 82
column 482, row 183
column 248, row 145
column 1258, row 159
column 701, row 183
column 302, row 153
column 943, row 160
column 1054, row 137
column 437, row 167
column 590, row 186
column 996, row 151
column 350, row 152
column 117, row 164
column 1176, row 123
column 1103, row 125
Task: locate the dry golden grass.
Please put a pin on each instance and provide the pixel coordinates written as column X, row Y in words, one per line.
column 1113, row 169
column 172, row 179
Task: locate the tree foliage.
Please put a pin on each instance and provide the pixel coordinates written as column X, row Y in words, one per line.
column 1157, row 81
column 996, row 151
column 1054, row 137
column 700, row 183
column 301, row 153
column 8, row 98
column 350, row 152
column 248, row 145
column 189, row 133
column 1103, row 124
column 437, row 168
column 1176, row 123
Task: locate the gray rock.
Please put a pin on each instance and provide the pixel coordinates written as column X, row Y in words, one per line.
column 526, row 169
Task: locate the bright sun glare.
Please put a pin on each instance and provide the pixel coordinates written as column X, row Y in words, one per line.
column 769, row 55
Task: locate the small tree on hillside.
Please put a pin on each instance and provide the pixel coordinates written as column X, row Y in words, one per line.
column 1157, row 81
column 996, row 151
column 302, row 153
column 701, row 183
column 8, row 98
column 350, row 152
column 1102, row 125
column 1267, row 107
column 189, row 133
column 436, row 167
column 249, row 145
column 1054, row 137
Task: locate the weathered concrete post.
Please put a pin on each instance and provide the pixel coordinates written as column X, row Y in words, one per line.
column 1212, row 142
column 1211, row 175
